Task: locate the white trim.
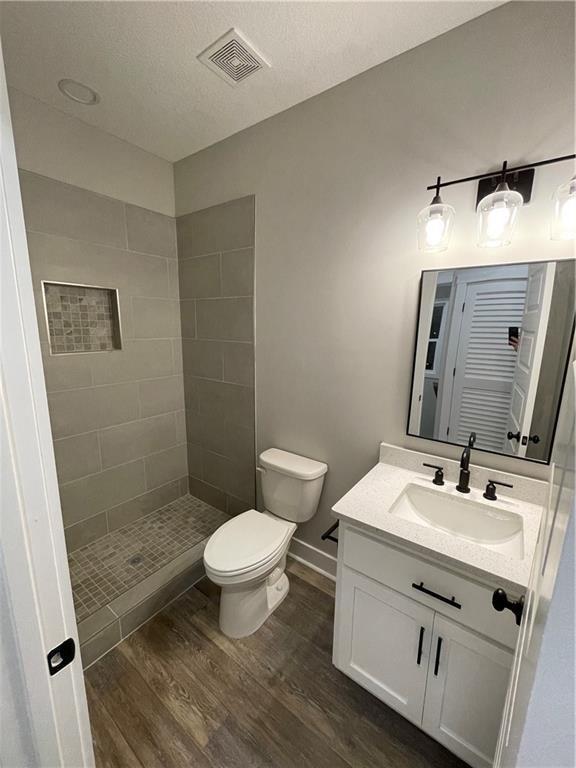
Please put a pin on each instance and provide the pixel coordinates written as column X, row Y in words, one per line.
column 314, row 558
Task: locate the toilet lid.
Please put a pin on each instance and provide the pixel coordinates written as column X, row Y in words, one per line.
column 246, row 541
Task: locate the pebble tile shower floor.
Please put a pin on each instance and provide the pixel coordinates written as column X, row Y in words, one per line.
column 103, row 570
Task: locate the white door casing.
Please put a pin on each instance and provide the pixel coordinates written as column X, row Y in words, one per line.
column 427, row 295
column 534, row 325
column 32, row 547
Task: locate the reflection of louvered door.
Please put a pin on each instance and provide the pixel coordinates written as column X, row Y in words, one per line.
column 485, row 362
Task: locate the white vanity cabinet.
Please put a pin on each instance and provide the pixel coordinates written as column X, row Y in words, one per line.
column 424, row 640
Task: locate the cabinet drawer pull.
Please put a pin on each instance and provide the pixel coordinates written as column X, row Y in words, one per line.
column 450, row 601
column 437, row 662
column 420, row 642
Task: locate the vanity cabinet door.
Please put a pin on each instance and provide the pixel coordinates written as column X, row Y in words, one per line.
column 383, row 642
column 465, row 693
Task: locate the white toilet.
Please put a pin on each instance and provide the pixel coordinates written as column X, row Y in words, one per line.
column 247, row 555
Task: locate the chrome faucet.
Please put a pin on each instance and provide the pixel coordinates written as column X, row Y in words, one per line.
column 464, row 481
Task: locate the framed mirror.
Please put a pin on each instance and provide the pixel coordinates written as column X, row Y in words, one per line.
column 492, row 348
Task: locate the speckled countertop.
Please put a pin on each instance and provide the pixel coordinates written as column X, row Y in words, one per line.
column 368, row 505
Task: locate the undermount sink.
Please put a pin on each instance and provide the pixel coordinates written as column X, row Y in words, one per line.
column 492, row 527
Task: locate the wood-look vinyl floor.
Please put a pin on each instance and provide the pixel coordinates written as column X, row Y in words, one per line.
column 179, row 694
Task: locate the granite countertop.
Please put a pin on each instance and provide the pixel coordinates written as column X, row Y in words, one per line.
column 368, row 504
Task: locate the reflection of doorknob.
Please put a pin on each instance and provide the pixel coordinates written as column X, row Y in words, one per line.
column 534, row 439
column 514, row 436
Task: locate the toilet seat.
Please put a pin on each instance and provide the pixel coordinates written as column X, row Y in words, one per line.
column 246, row 545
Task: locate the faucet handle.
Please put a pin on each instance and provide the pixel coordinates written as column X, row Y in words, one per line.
column 490, row 492
column 438, row 475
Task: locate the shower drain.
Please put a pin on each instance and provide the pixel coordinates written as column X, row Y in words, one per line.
column 136, row 560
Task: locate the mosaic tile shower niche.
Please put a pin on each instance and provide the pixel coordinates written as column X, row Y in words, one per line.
column 81, row 318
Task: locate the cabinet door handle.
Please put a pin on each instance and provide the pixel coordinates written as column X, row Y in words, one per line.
column 437, row 662
column 449, row 601
column 420, row 642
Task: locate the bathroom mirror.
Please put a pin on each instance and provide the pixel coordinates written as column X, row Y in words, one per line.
column 492, row 348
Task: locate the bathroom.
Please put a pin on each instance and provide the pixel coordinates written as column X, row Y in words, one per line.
column 231, row 309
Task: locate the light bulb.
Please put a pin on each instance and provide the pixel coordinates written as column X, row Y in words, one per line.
column 435, row 231
column 435, row 223
column 497, row 216
column 564, row 221
column 497, row 221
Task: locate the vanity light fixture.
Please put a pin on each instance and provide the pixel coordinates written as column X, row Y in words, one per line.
column 497, row 214
column 564, row 221
column 435, row 224
column 497, row 211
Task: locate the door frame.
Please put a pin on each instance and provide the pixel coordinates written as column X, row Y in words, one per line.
column 40, row 607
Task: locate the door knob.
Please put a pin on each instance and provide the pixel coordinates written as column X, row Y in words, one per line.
column 514, row 436
column 534, row 439
column 500, row 602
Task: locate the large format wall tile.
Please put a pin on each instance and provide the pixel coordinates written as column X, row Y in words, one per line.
column 216, row 258
column 150, row 232
column 200, row 277
column 61, row 209
column 161, row 395
column 223, row 227
column 96, row 493
column 109, row 409
column 230, row 319
column 137, row 438
column 77, row 456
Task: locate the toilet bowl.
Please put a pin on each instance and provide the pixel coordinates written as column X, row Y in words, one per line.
column 246, row 556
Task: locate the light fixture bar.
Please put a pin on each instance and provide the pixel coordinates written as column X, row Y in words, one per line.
column 492, row 174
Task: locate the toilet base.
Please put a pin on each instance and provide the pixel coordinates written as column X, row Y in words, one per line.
column 244, row 608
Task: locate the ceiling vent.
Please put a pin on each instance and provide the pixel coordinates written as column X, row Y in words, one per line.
column 233, row 58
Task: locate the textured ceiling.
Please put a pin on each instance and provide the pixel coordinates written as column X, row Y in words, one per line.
column 141, row 58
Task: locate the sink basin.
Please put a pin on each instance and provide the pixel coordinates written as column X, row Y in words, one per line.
column 490, row 526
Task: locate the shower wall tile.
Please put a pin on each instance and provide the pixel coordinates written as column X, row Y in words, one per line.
column 238, row 273
column 161, row 396
column 86, row 531
column 202, row 358
column 61, row 209
column 166, row 466
column 77, row 456
column 60, row 259
column 110, row 411
column 65, row 372
column 220, row 228
column 86, row 497
column 150, row 232
column 200, row 277
column 137, row 439
column 142, row 505
column 226, row 319
column 138, row 359
column 216, row 258
column 238, row 362
column 155, row 318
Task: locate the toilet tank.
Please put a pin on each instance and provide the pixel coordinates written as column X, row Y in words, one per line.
column 291, row 484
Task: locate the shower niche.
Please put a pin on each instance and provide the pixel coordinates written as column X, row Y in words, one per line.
column 81, row 318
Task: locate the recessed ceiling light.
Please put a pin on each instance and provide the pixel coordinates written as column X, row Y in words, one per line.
column 79, row 92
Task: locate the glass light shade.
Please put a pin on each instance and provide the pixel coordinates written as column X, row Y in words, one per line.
column 497, row 217
column 435, row 224
column 564, row 221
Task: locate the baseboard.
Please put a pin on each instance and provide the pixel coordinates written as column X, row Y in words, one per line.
column 313, row 557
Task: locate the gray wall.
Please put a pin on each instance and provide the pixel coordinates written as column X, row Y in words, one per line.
column 339, row 180
column 216, row 266
column 117, row 417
